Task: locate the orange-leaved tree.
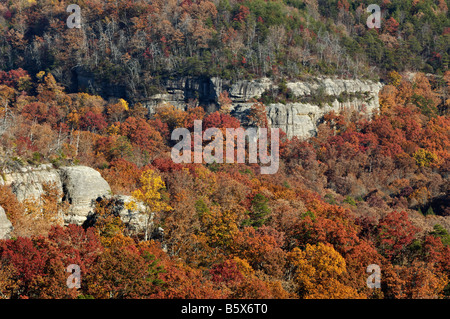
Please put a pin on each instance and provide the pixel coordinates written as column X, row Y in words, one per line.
column 318, row 271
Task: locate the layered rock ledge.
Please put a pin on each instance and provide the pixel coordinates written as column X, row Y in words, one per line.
column 312, row 99
column 80, row 186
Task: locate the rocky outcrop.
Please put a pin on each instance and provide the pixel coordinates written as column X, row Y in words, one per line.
column 301, row 119
column 134, row 219
column 310, row 99
column 206, row 90
column 295, row 119
column 244, row 90
column 28, row 182
column 80, row 186
column 5, row 225
column 179, row 91
column 314, row 99
column 85, row 81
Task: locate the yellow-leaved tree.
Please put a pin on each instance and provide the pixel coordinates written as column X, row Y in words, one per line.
column 318, row 271
column 150, row 195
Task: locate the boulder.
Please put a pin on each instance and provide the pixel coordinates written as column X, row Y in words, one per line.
column 5, row 225
column 82, row 186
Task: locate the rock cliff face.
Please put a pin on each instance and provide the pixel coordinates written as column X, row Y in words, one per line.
column 27, row 182
column 180, row 90
column 313, row 98
column 5, row 225
column 301, row 119
column 80, row 186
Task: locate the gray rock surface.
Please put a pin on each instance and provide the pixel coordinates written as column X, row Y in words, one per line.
column 244, row 90
column 82, row 186
column 28, row 182
column 301, row 119
column 296, row 119
column 135, row 220
column 5, row 225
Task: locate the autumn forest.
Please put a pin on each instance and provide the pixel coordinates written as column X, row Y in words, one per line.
column 363, row 190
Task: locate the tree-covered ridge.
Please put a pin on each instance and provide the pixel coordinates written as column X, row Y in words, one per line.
column 359, row 193
column 134, row 44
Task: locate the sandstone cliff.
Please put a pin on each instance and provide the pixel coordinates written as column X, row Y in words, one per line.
column 27, row 182
column 5, row 225
column 312, row 99
column 80, row 186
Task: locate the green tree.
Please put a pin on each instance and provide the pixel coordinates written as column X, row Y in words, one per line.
column 259, row 211
column 442, row 233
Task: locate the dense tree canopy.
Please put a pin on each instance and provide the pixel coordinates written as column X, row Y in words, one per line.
column 137, row 44
column 363, row 191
